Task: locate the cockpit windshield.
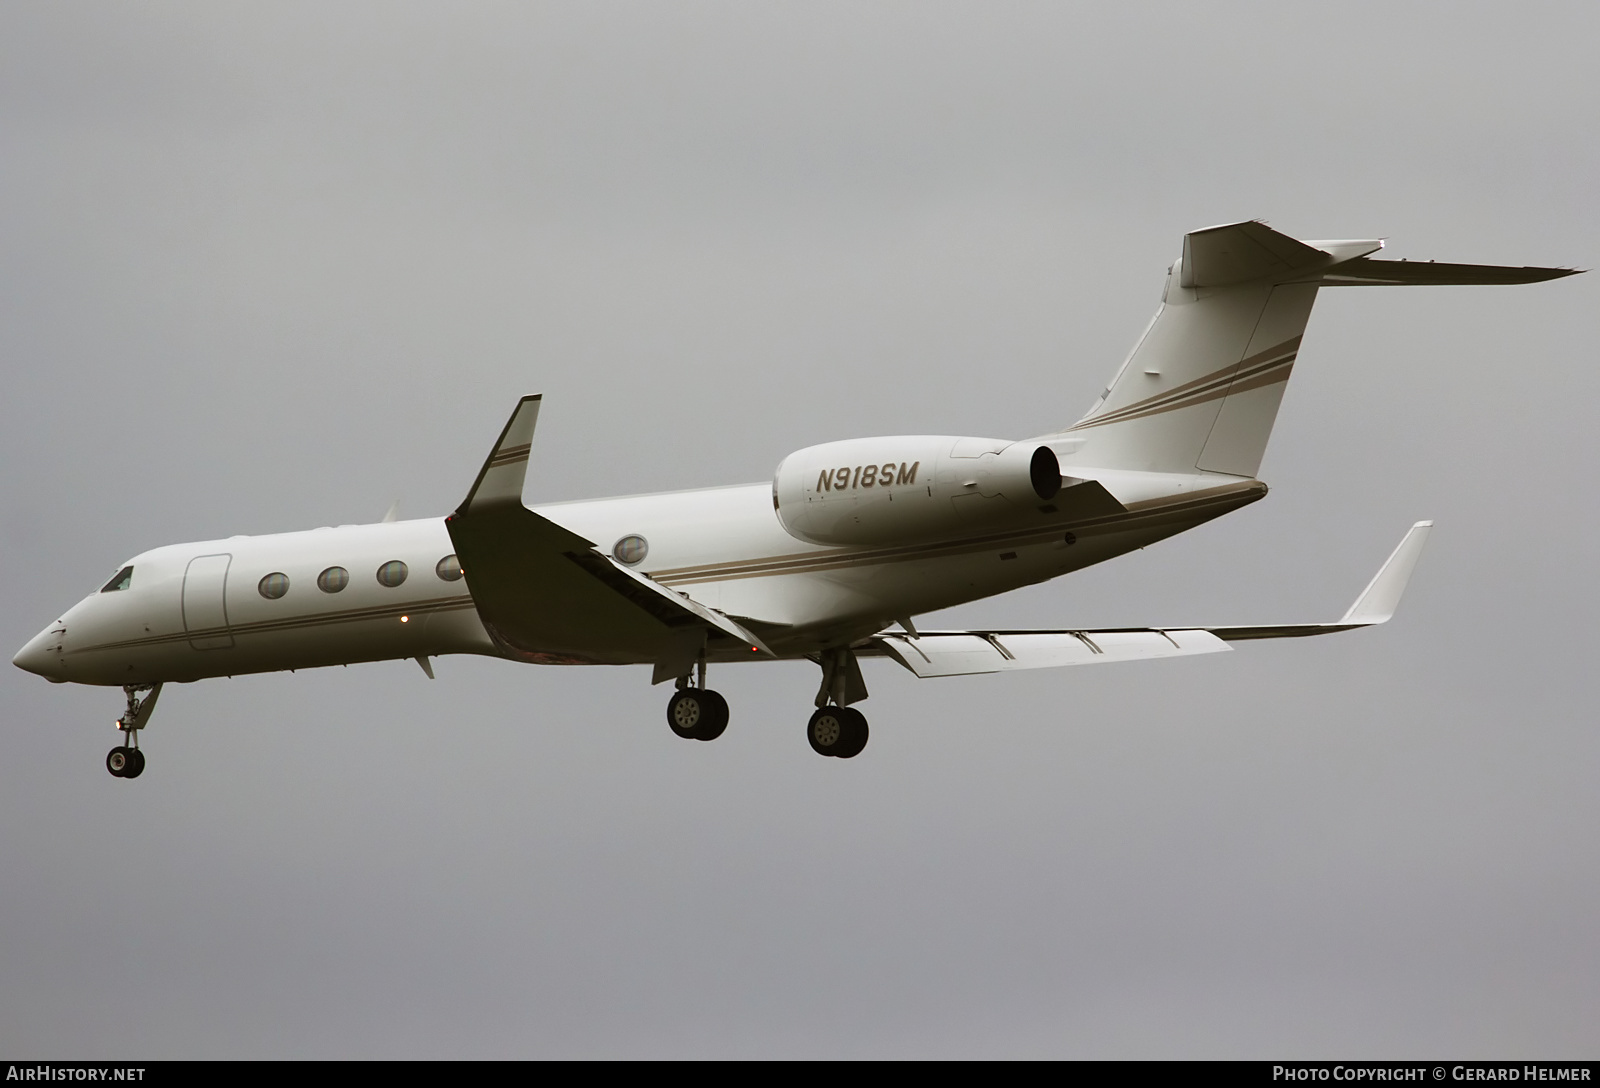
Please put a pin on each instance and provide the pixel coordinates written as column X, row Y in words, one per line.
column 120, row 580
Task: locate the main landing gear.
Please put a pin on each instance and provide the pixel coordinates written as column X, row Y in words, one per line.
column 696, row 712
column 125, row 760
column 838, row 730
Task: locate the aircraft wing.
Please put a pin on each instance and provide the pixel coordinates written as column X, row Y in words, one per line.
column 551, row 595
column 962, row 653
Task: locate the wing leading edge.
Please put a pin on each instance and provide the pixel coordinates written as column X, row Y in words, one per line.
column 963, row 653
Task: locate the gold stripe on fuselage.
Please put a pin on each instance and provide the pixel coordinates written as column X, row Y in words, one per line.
column 293, row 623
column 1151, row 513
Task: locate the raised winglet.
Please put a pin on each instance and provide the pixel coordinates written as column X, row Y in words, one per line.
column 1377, row 602
column 546, row 591
column 500, row 480
column 1375, row 605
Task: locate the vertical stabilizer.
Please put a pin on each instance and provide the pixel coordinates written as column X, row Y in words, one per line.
column 1201, row 389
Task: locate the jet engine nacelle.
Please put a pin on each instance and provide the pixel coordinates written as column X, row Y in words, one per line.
column 911, row 487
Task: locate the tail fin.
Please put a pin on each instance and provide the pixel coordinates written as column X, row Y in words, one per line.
column 1201, row 389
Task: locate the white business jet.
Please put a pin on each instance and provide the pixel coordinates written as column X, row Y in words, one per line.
column 831, row 561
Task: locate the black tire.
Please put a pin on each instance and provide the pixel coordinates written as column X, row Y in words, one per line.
column 716, row 719
column 687, row 711
column 117, row 761
column 135, row 764
column 855, row 735
column 827, row 730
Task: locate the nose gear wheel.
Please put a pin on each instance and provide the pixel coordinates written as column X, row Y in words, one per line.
column 124, row 762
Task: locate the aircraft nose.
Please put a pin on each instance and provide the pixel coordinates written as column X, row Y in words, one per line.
column 41, row 656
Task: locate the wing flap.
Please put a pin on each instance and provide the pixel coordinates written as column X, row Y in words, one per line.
column 966, row 653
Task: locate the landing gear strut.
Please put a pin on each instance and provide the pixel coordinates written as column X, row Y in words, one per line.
column 697, row 713
column 125, row 760
column 838, row 730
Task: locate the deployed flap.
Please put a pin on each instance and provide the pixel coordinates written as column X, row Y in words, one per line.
column 962, row 653
column 1366, row 272
column 546, row 591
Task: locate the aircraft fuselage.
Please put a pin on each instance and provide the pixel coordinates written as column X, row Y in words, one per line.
column 203, row 609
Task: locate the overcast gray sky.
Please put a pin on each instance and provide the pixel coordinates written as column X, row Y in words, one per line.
column 267, row 267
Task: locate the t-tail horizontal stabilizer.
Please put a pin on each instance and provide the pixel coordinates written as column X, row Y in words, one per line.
column 1368, row 272
column 963, row 653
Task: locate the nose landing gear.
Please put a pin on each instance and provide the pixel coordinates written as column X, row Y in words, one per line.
column 125, row 760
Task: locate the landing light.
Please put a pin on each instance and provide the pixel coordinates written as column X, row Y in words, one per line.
column 405, row 619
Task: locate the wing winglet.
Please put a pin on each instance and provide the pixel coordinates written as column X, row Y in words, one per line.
column 1375, row 605
column 1378, row 601
column 527, row 594
column 500, row 480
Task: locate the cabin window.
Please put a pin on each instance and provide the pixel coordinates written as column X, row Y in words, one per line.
column 273, row 586
column 392, row 573
column 449, row 569
column 333, row 579
column 120, row 580
column 631, row 549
